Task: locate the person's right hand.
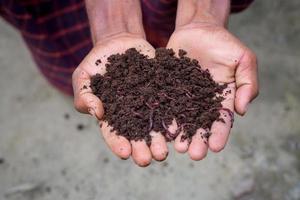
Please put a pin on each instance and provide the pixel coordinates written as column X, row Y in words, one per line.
column 86, row 102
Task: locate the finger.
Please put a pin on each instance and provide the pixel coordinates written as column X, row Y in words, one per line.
column 119, row 145
column 220, row 130
column 141, row 153
column 84, row 100
column 158, row 146
column 198, row 147
column 180, row 146
column 246, row 81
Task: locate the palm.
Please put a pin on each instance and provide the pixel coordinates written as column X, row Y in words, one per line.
column 86, row 101
column 219, row 51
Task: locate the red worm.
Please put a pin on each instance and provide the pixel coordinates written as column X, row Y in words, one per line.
column 148, row 105
column 150, row 120
column 137, row 114
column 170, row 136
column 168, row 97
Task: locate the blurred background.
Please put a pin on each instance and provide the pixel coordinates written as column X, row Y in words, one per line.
column 49, row 151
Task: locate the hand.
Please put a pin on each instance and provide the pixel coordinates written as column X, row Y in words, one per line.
column 229, row 61
column 86, row 102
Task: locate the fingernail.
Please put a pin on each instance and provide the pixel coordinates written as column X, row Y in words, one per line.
column 246, row 107
column 167, row 154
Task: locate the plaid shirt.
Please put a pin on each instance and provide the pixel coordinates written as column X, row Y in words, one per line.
column 58, row 35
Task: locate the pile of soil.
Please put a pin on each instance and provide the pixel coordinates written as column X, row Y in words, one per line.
column 142, row 94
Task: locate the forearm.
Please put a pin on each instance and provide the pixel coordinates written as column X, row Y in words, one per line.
column 202, row 11
column 109, row 18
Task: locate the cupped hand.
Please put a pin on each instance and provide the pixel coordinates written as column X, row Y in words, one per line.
column 86, row 102
column 229, row 61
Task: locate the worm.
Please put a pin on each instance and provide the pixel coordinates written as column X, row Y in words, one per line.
column 188, row 93
column 169, row 135
column 192, row 109
column 150, row 120
column 137, row 114
column 148, row 105
column 168, row 97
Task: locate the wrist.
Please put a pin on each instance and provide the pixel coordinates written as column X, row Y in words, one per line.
column 118, row 38
column 202, row 12
column 113, row 18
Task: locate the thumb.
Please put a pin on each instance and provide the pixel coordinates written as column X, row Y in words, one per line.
column 84, row 100
column 246, row 82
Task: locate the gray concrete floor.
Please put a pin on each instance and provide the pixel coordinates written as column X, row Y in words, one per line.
column 46, row 157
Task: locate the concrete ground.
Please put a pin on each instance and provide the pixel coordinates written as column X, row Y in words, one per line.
column 43, row 156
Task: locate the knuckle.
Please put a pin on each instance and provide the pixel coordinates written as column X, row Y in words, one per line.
column 251, row 57
column 74, row 74
column 78, row 104
column 79, row 74
column 254, row 88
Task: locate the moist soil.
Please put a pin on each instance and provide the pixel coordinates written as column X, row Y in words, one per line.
column 142, row 94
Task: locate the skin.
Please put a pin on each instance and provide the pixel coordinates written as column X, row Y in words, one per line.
column 86, row 102
column 200, row 30
column 202, row 33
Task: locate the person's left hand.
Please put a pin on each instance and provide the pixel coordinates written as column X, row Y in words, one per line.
column 229, row 61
